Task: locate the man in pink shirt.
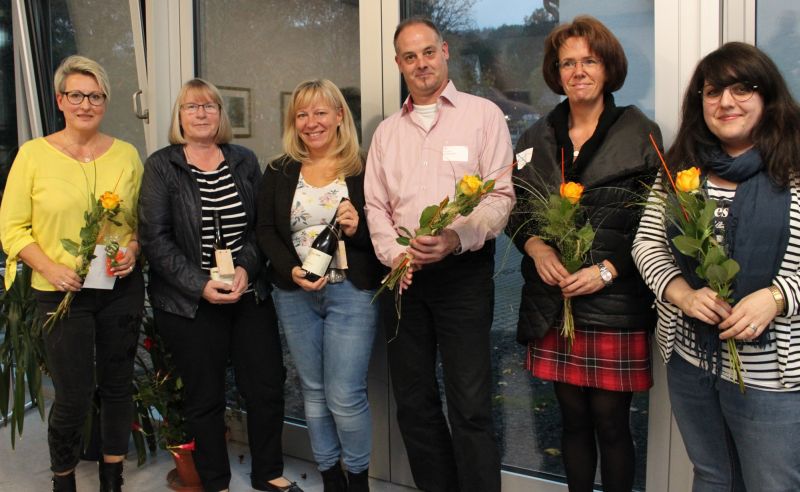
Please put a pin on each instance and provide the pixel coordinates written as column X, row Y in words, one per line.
column 416, row 157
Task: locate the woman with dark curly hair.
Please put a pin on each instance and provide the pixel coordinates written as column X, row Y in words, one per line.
column 740, row 127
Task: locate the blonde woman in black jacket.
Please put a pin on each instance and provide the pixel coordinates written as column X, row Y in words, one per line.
column 205, row 322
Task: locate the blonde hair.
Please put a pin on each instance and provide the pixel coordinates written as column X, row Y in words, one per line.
column 77, row 64
column 224, row 131
column 346, row 151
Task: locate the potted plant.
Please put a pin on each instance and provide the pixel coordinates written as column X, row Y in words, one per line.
column 158, row 420
column 22, row 359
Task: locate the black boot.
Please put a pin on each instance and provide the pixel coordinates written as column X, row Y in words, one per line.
column 110, row 476
column 358, row 482
column 333, row 479
column 64, row 483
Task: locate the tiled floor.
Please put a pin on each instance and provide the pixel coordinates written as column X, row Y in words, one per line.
column 27, row 468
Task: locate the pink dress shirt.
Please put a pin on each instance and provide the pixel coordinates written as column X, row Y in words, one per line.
column 409, row 168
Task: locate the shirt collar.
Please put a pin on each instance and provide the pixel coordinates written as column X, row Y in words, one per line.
column 449, row 94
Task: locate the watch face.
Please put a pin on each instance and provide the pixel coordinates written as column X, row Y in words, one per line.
column 605, row 275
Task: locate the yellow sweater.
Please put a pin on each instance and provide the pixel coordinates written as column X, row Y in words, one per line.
column 47, row 193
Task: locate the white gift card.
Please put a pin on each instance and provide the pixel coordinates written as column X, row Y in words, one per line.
column 97, row 278
column 524, row 157
column 459, row 153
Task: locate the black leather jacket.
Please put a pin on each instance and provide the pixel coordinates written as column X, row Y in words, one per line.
column 616, row 181
column 170, row 224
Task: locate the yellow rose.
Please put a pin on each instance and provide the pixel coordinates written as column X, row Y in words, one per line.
column 109, row 200
column 571, row 191
column 688, row 180
column 470, row 184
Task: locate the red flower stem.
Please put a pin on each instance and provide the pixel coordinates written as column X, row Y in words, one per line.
column 666, row 171
column 115, row 184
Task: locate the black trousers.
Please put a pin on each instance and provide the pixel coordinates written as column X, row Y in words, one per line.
column 247, row 334
column 92, row 348
column 448, row 308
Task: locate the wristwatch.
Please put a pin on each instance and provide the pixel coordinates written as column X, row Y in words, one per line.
column 605, row 274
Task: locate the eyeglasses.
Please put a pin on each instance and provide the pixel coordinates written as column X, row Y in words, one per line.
column 569, row 65
column 209, row 108
column 77, row 97
column 740, row 91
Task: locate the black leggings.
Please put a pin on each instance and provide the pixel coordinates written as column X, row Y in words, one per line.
column 595, row 418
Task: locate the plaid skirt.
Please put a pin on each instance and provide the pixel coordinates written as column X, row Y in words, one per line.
column 604, row 358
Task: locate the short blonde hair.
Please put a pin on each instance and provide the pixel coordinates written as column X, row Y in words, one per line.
column 224, row 132
column 77, row 64
column 346, row 151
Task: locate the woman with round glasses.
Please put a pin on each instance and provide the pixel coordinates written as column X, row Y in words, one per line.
column 604, row 147
column 195, row 192
column 740, row 127
column 53, row 182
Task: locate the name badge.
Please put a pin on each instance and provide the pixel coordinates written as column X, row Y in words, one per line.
column 459, row 153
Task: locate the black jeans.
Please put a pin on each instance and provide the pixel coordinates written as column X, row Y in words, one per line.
column 449, row 307
column 97, row 339
column 247, row 334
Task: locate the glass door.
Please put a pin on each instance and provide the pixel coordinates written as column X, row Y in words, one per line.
column 496, row 53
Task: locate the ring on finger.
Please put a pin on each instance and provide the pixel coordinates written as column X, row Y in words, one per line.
column 753, row 328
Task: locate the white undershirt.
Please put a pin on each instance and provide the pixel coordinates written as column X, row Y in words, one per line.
column 427, row 113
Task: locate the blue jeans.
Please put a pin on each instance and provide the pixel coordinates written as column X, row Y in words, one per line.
column 736, row 441
column 330, row 334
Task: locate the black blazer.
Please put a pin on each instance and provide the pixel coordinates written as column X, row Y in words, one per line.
column 275, row 196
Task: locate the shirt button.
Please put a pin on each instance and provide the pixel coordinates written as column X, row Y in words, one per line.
column 425, row 163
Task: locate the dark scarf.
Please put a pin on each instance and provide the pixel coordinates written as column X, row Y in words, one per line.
column 756, row 236
column 559, row 120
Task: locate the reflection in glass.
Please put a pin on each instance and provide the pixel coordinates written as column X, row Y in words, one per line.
column 496, row 53
column 267, row 48
column 100, row 30
column 778, row 34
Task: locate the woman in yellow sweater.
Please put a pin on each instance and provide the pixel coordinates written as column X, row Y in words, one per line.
column 51, row 185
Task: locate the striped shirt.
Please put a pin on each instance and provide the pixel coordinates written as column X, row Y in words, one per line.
column 774, row 367
column 218, row 192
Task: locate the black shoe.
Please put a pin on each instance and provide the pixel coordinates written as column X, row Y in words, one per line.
column 110, row 476
column 265, row 485
column 333, row 479
column 358, row 482
column 64, row 483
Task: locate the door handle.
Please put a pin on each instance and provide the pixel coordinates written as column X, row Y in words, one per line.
column 138, row 110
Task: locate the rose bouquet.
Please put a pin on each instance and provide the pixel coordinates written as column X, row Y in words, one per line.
column 573, row 241
column 691, row 211
column 102, row 212
column 561, row 224
column 470, row 189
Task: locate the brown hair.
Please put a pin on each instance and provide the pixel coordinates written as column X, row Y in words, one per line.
column 775, row 135
column 416, row 20
column 601, row 42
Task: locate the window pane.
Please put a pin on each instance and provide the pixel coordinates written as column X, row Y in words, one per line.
column 8, row 103
column 264, row 49
column 101, row 30
column 497, row 53
column 777, row 26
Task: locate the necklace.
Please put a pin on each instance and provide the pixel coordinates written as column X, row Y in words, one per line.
column 576, row 152
column 197, row 163
column 86, row 159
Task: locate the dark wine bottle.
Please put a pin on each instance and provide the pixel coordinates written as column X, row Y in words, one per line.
column 322, row 250
column 222, row 268
column 219, row 239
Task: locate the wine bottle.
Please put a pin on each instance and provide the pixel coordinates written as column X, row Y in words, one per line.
column 322, row 250
column 221, row 260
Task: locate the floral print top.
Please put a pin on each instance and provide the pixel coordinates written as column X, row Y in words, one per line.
column 312, row 208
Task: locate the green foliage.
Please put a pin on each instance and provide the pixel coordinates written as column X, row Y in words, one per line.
column 693, row 214
column 158, row 396
column 21, row 353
